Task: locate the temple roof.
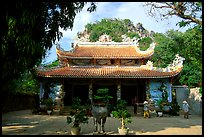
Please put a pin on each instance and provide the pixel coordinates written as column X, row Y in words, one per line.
column 105, row 48
column 104, row 52
column 106, row 72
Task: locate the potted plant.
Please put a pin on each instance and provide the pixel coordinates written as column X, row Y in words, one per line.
column 49, row 105
column 77, row 116
column 123, row 115
column 102, row 96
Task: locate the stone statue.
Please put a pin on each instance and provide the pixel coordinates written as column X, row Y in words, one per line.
column 99, row 113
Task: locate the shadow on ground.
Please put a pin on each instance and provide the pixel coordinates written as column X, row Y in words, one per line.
column 26, row 123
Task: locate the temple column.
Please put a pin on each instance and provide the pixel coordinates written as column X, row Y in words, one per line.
column 170, row 90
column 61, row 96
column 41, row 91
column 91, row 91
column 94, row 62
column 118, row 91
column 147, row 88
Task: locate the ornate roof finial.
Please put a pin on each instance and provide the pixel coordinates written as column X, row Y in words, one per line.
column 105, row 38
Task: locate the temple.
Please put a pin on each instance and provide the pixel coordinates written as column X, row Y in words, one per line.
column 121, row 67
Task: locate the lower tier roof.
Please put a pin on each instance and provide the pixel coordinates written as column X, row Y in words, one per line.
column 105, row 72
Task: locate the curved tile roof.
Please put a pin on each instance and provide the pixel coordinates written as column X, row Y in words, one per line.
column 123, row 52
column 105, row 72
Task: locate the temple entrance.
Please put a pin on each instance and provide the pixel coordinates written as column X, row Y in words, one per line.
column 72, row 91
column 131, row 90
column 81, row 91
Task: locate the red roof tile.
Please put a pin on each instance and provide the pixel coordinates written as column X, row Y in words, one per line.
column 105, row 72
column 104, row 52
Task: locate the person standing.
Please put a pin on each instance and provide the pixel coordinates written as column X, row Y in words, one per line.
column 186, row 108
column 134, row 102
column 146, row 110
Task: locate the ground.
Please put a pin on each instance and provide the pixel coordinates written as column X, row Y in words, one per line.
column 25, row 123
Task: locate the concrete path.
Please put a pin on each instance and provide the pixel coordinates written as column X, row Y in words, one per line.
column 25, row 123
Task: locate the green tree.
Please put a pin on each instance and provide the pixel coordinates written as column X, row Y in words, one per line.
column 189, row 12
column 53, row 64
column 116, row 28
column 113, row 27
column 133, row 34
column 27, row 84
column 192, row 52
column 145, row 42
column 187, row 45
column 29, row 30
column 167, row 47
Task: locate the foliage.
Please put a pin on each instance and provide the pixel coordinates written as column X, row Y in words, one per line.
column 102, row 96
column 122, row 113
column 53, row 64
column 29, row 30
column 192, row 52
column 112, row 27
column 200, row 91
column 188, row 45
column 189, row 12
column 133, row 35
column 49, row 103
column 78, row 114
column 27, row 84
column 160, row 103
column 116, row 28
column 145, row 42
column 167, row 47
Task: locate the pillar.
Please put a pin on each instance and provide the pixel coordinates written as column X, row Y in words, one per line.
column 41, row 91
column 61, row 96
column 147, row 86
column 91, row 91
column 119, row 91
column 170, row 90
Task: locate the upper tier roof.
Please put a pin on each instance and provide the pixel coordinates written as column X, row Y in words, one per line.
column 105, row 48
column 105, row 51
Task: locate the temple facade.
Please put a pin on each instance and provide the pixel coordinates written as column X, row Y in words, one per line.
column 121, row 67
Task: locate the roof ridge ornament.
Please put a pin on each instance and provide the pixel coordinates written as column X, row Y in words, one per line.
column 105, row 38
column 148, row 65
column 149, row 50
column 176, row 64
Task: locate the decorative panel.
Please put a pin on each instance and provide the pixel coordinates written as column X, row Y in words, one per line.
column 103, row 62
column 81, row 62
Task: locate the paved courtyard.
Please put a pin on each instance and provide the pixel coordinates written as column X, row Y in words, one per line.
column 25, row 123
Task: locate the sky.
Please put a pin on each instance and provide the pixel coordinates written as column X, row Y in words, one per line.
column 135, row 11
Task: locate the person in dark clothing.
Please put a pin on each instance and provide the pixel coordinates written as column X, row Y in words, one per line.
column 134, row 102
